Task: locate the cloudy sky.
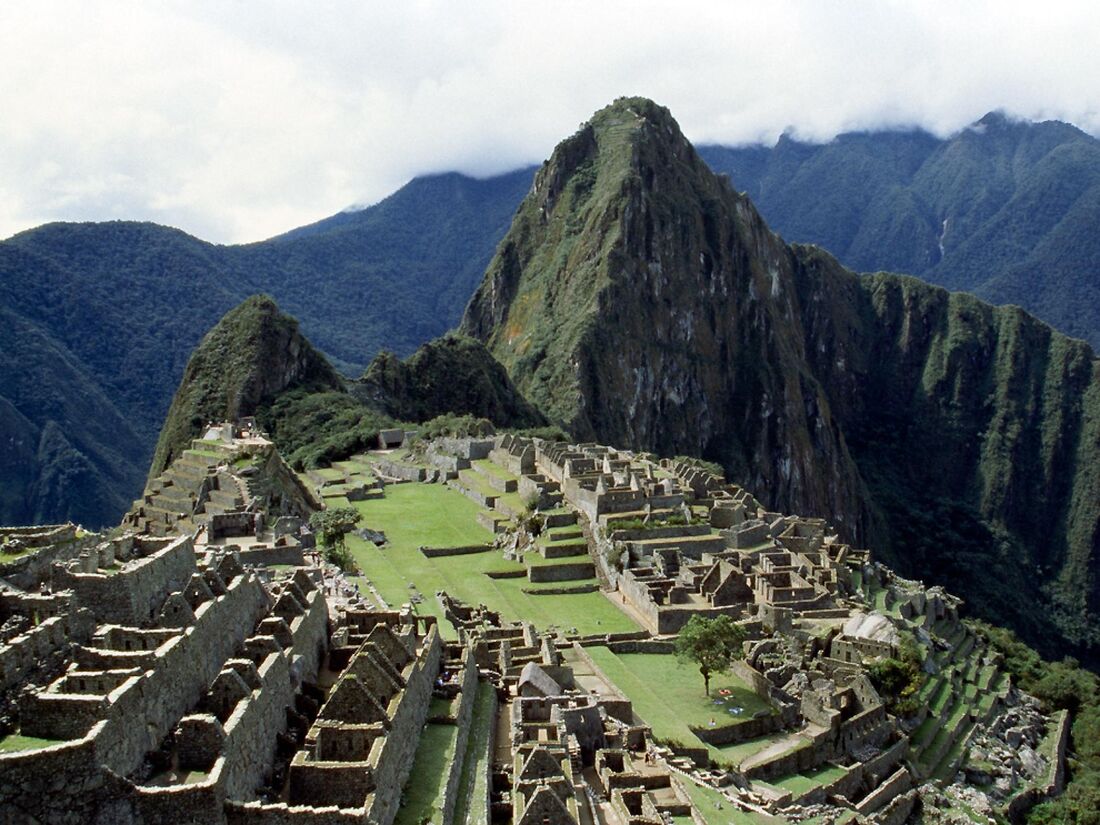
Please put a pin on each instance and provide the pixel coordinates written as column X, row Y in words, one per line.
column 238, row 120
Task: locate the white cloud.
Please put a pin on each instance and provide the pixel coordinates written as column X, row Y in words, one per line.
column 239, row 120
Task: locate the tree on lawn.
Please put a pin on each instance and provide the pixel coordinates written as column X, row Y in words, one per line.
column 713, row 644
column 332, row 526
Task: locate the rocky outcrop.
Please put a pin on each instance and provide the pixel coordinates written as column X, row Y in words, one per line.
column 638, row 299
column 453, row 374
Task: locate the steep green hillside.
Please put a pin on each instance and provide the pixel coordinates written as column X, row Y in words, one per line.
column 66, row 451
column 254, row 354
column 1004, row 209
column 451, row 375
column 639, row 300
column 255, row 361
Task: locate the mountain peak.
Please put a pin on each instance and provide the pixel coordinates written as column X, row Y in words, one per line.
column 253, row 353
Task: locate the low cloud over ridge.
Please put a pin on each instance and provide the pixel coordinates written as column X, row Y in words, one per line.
column 236, row 121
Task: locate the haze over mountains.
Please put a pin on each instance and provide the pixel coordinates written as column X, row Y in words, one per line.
column 115, row 309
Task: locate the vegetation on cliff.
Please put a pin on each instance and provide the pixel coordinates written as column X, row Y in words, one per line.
column 1004, row 209
column 123, row 304
column 1061, row 685
column 251, row 356
column 255, row 361
column 453, row 374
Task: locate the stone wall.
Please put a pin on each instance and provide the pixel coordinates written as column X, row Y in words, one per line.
column 644, row 646
column 561, row 572
column 196, row 803
column 256, row 813
column 272, row 555
column 44, row 781
column 133, row 595
column 897, row 783
column 40, row 535
column 756, row 680
column 251, row 729
column 467, row 699
column 402, row 472
column 472, row 449
column 436, row 552
column 32, row 568
column 185, row 666
column 392, row 762
column 732, row 734
column 23, row 653
column 1024, row 801
column 310, row 633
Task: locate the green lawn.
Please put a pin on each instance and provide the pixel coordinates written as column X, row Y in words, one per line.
column 473, row 793
column 801, row 783
column 489, row 468
column 422, row 799
column 412, row 515
column 738, row 753
column 717, row 810
column 16, row 742
column 669, row 696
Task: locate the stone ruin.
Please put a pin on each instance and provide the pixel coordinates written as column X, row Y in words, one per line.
column 204, row 665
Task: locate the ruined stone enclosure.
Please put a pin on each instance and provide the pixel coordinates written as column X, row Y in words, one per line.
column 504, row 653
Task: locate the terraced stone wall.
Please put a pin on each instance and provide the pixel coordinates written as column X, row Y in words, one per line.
column 132, row 596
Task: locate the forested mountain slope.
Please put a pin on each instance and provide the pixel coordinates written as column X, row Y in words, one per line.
column 639, row 300
column 126, row 303
column 1004, row 209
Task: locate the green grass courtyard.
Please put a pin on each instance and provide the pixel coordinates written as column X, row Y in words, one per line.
column 668, row 694
column 412, row 515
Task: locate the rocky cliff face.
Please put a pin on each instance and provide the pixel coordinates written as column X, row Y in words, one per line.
column 254, row 353
column 638, row 299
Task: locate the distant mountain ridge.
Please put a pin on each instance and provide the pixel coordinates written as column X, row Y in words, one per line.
column 1004, row 209
column 123, row 305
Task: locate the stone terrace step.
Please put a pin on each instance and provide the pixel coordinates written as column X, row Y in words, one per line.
column 562, row 550
column 475, row 493
column 607, row 518
column 561, row 519
column 496, row 477
column 692, row 546
column 177, row 501
column 571, row 531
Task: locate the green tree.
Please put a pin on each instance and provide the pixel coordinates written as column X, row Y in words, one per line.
column 332, row 527
column 712, row 644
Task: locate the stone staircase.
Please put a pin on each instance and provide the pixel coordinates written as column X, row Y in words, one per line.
column 968, row 689
column 192, row 487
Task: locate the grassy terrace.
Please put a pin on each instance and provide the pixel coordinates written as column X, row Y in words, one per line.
column 489, row 468
column 422, row 799
column 17, row 742
column 736, row 754
column 715, row 809
column 412, row 515
column 802, row 783
column 475, row 481
column 669, row 696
